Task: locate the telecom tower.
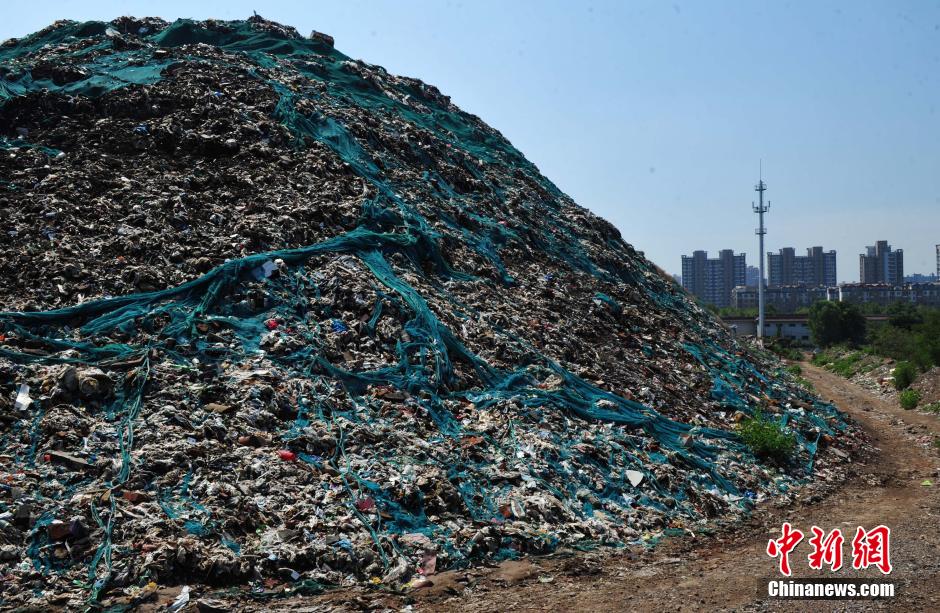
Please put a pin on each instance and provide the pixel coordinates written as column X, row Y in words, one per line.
column 760, row 209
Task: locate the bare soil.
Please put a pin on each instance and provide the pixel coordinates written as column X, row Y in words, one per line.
column 729, row 570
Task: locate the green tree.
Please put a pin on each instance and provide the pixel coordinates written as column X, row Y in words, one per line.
column 904, row 315
column 836, row 322
column 911, row 334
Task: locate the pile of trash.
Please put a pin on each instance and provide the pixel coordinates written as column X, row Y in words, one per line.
column 275, row 318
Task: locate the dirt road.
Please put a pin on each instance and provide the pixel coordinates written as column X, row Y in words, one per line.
column 730, row 571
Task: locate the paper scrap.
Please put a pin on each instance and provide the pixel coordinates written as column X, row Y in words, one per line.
column 22, row 398
column 635, row 477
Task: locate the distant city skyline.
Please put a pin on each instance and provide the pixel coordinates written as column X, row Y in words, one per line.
column 932, row 267
column 773, row 267
column 655, row 115
column 851, row 260
column 921, row 278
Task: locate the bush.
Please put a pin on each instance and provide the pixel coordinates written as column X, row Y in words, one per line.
column 787, row 353
column 909, row 399
column 904, row 375
column 766, row 438
column 910, row 335
column 901, row 344
column 794, row 369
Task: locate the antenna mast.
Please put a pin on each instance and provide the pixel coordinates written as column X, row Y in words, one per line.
column 760, row 209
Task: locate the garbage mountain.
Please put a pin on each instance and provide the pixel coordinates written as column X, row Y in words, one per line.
column 274, row 317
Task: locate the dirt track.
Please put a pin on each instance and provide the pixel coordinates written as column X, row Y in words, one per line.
column 730, row 571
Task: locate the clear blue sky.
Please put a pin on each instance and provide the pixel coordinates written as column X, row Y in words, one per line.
column 655, row 114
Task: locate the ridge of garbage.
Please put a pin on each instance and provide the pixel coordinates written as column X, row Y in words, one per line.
column 323, row 327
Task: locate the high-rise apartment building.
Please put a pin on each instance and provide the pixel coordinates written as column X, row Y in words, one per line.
column 815, row 269
column 752, row 276
column 713, row 279
column 938, row 261
column 881, row 264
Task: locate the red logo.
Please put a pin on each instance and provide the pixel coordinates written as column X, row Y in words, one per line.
column 783, row 546
column 872, row 548
column 826, row 550
column 869, row 548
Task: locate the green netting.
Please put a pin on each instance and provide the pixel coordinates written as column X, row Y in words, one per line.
column 105, row 71
column 8, row 145
column 157, row 323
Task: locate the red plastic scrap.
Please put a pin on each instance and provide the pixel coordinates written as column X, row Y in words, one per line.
column 365, row 504
column 471, row 441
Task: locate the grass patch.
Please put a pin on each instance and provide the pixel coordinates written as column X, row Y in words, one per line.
column 766, row 438
column 788, row 353
column 909, row 399
column 846, row 362
column 796, row 371
column 933, row 407
column 805, row 384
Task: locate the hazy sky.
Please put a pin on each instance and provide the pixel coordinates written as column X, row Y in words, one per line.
column 655, row 114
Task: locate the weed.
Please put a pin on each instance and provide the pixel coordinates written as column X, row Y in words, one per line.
column 805, row 384
column 794, row 369
column 909, row 399
column 766, row 438
column 788, row 353
column 846, row 362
